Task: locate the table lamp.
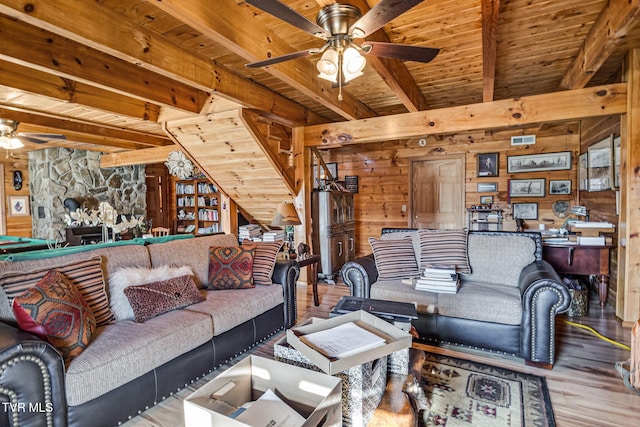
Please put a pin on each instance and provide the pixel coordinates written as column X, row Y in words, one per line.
column 286, row 216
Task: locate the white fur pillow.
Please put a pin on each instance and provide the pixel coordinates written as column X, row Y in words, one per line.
column 134, row 276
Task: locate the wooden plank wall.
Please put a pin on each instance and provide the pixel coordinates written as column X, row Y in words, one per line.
column 16, row 225
column 384, row 169
column 602, row 204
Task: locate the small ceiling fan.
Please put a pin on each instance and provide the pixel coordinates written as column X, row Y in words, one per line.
column 340, row 25
column 11, row 139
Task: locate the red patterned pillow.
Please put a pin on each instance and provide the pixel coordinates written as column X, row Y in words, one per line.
column 230, row 267
column 55, row 308
column 153, row 299
column 264, row 260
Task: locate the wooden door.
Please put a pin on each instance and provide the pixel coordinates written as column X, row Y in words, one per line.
column 437, row 193
column 157, row 180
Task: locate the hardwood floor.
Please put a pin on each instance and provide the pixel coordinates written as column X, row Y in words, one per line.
column 585, row 389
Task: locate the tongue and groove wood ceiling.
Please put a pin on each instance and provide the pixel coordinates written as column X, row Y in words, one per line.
column 109, row 73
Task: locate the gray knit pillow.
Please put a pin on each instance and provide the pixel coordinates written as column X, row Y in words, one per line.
column 395, row 259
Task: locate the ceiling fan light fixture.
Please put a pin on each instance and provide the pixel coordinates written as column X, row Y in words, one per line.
column 328, row 65
column 10, row 143
column 352, row 63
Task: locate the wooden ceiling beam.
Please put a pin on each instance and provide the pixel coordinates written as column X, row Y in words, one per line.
column 490, row 14
column 81, row 131
column 66, row 58
column 112, row 34
column 67, row 90
column 146, row 156
column 617, row 19
column 553, row 107
column 238, row 30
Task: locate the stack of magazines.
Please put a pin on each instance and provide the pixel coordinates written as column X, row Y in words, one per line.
column 440, row 279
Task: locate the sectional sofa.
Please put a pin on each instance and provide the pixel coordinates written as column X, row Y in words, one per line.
column 508, row 298
column 130, row 366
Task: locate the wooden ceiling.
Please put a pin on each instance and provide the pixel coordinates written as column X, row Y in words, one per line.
column 108, row 73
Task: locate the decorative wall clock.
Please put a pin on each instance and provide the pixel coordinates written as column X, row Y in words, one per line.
column 560, row 208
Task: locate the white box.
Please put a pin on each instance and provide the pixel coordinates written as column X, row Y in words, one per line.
column 396, row 339
column 313, row 394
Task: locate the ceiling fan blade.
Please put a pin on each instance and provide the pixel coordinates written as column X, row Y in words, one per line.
column 282, row 58
column 379, row 15
column 284, row 12
column 40, row 138
column 401, row 51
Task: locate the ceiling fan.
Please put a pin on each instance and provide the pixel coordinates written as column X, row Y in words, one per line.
column 340, row 25
column 11, row 139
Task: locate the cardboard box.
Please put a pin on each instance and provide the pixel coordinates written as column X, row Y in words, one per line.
column 396, row 339
column 313, row 394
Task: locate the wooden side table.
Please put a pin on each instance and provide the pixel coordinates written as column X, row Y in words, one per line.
column 312, row 261
column 581, row 260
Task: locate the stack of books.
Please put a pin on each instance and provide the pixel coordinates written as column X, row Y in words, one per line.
column 250, row 232
column 440, row 279
column 273, row 236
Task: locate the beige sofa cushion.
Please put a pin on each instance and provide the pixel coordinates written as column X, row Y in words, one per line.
column 230, row 307
column 192, row 252
column 484, row 302
column 498, row 259
column 123, row 351
column 395, row 290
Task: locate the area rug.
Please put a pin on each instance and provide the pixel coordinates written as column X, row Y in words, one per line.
column 464, row 393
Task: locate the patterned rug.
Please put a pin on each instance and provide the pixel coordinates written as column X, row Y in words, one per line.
column 464, row 393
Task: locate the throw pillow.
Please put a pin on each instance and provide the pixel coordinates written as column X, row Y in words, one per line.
column 87, row 276
column 395, row 259
column 154, row 299
column 56, row 309
column 230, row 267
column 135, row 276
column 445, row 248
column 264, row 260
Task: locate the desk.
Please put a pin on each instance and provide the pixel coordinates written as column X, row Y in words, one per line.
column 582, row 260
column 312, row 262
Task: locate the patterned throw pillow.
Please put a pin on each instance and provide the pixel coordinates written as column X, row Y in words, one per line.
column 395, row 259
column 154, row 299
column 444, row 247
column 87, row 276
column 264, row 260
column 54, row 308
column 230, row 267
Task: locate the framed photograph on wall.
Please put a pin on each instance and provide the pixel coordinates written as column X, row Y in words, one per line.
column 560, row 186
column 600, row 168
column 525, row 210
column 487, row 187
column 583, row 175
column 486, row 200
column 539, row 162
column 488, row 164
column 18, row 205
column 527, row 187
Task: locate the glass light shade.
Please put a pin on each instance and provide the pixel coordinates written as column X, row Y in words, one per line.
column 10, row 143
column 328, row 65
column 352, row 64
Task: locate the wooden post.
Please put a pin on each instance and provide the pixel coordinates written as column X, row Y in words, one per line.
column 628, row 292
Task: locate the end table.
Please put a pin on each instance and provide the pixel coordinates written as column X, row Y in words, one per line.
column 312, row 261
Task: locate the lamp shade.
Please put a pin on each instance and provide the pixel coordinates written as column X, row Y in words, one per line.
column 286, row 215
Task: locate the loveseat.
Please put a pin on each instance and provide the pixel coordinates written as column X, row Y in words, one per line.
column 508, row 297
column 129, row 366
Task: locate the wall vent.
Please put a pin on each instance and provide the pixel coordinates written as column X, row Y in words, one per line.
column 523, row 140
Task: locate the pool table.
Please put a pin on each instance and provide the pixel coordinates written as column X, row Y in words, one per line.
column 13, row 244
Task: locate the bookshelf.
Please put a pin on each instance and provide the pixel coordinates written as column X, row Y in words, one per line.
column 197, row 207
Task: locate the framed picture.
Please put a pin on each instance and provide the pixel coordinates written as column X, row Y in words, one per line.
column 486, row 200
column 539, row 162
column 583, row 176
column 560, row 186
column 19, row 206
column 600, row 168
column 487, row 187
column 488, row 164
column 616, row 162
column 525, row 210
column 527, row 187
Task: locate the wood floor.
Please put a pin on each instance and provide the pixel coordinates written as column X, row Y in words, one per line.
column 584, row 386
